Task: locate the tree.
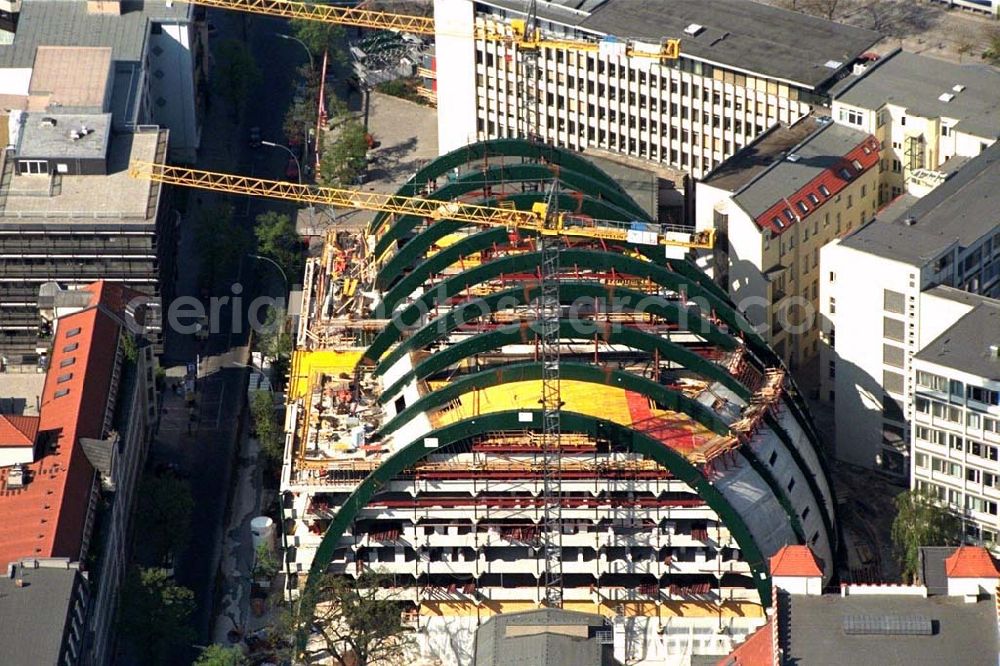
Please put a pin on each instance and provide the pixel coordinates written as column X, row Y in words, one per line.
column 345, row 160
column 278, row 239
column 218, row 655
column 991, row 34
column 319, row 37
column 165, row 505
column 221, row 244
column 155, row 614
column 265, row 564
column 275, row 342
column 237, row 73
column 920, row 521
column 358, row 624
column 265, row 425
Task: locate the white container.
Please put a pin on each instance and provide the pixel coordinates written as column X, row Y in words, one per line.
column 262, row 531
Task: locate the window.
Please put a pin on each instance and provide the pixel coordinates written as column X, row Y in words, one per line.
column 945, row 130
column 922, row 405
column 65, row 378
column 972, row 475
column 921, row 460
column 983, row 395
column 803, row 207
column 38, row 167
column 814, row 199
column 932, row 381
column 66, row 362
column 824, row 190
column 773, row 458
column 61, row 392
column 791, row 484
column 73, row 332
column 805, row 513
column 851, row 116
column 845, row 173
column 71, row 347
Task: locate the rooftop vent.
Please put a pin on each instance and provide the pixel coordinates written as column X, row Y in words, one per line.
column 958, row 87
column 48, row 121
column 995, row 351
column 909, row 220
column 833, row 64
column 694, row 29
column 859, row 68
column 945, row 97
column 793, row 157
column 15, row 477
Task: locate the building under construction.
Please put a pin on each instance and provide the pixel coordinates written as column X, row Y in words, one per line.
column 418, row 443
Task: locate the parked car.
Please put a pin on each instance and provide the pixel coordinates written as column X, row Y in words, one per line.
column 255, row 137
column 292, row 169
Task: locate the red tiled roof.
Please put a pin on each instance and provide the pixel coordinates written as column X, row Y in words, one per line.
column 18, row 431
column 795, row 561
column 757, row 650
column 971, row 562
column 46, row 519
column 865, row 153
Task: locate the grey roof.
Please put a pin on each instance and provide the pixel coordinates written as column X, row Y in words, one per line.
column 740, row 34
column 822, row 150
column 44, row 140
column 494, row 647
column 915, row 82
column 932, row 574
column 966, row 345
column 964, row 633
column 67, row 23
column 753, row 159
column 33, row 618
column 962, row 209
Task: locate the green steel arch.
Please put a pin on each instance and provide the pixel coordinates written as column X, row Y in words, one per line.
column 628, row 299
column 573, row 422
column 566, row 202
column 598, row 188
column 595, row 260
column 497, row 148
column 568, row 330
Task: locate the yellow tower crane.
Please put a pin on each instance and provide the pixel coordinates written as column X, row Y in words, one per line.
column 537, row 219
column 520, row 33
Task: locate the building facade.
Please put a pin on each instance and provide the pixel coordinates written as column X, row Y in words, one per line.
column 929, row 115
column 955, row 434
column 887, row 290
column 735, row 76
column 419, row 454
column 774, row 205
column 98, row 407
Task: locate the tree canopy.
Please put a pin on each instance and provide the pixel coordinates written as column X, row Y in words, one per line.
column 155, row 614
column 219, row 655
column 278, row 239
column 358, row 621
column 236, row 72
column 265, row 424
column 165, row 505
column 319, row 37
column 221, row 244
column 921, row 521
column 346, row 158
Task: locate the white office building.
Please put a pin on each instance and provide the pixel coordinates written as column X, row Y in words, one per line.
column 743, row 67
column 956, row 420
column 891, row 287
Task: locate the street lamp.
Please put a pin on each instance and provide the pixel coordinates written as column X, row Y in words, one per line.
column 281, row 35
column 298, row 166
column 273, row 263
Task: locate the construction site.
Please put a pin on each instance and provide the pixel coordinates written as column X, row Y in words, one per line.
column 513, row 391
column 516, row 390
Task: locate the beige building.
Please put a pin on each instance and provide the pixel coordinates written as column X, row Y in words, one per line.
column 774, row 205
column 924, row 112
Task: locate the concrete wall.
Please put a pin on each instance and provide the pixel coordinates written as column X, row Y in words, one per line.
column 808, row 585
column 456, row 73
column 960, row 587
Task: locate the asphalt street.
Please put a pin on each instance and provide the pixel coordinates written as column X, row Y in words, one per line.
column 204, row 448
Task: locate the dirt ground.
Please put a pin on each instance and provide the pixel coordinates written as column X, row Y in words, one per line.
column 919, row 26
